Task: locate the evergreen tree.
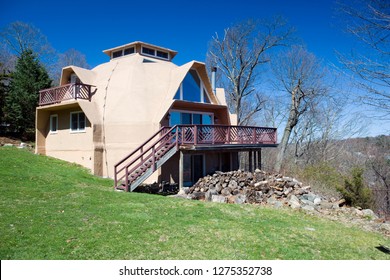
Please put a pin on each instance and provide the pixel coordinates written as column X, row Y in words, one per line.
column 355, row 192
column 4, row 82
column 27, row 80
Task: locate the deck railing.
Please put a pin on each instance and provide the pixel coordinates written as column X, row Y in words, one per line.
column 226, row 134
column 65, row 92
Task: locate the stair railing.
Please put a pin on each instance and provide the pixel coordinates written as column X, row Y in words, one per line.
column 145, row 153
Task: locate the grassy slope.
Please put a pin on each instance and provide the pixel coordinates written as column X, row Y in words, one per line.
column 50, row 209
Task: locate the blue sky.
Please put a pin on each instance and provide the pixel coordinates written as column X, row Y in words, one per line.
column 184, row 26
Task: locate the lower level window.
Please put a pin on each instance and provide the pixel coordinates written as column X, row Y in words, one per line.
column 77, row 122
column 53, row 123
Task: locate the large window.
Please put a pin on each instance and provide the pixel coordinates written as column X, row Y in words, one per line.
column 192, row 89
column 77, row 122
column 177, row 117
column 53, row 123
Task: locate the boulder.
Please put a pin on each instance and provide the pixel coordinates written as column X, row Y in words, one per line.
column 218, row 187
column 271, row 200
column 308, row 208
column 218, row 198
column 294, row 202
column 197, row 196
column 368, row 213
column 210, row 193
column 184, row 191
column 226, row 191
column 317, row 200
column 233, row 185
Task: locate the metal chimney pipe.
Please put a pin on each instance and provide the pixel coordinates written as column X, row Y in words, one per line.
column 213, row 71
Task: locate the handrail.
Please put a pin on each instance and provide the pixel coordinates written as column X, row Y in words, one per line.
column 64, row 92
column 142, row 151
column 140, row 146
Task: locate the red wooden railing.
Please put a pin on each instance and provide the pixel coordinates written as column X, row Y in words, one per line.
column 226, row 134
column 65, row 92
column 146, row 156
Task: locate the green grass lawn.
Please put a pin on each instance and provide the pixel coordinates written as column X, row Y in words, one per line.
column 50, row 209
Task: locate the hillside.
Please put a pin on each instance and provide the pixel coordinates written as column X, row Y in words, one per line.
column 51, row 209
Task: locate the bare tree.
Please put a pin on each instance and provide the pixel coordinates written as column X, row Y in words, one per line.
column 239, row 55
column 378, row 171
column 7, row 59
column 70, row 57
column 300, row 75
column 369, row 22
column 20, row 36
column 318, row 136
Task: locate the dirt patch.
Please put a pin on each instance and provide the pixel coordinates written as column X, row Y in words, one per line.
column 8, row 140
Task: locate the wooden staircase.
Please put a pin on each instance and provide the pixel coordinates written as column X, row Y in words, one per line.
column 136, row 167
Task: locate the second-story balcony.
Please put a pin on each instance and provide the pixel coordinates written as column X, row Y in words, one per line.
column 71, row 91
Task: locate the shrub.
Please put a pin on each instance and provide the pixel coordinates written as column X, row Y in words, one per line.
column 355, row 192
column 323, row 178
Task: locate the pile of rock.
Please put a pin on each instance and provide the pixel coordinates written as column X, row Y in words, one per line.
column 280, row 191
column 258, row 187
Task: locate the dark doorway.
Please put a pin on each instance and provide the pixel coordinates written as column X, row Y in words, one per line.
column 197, row 167
column 193, row 169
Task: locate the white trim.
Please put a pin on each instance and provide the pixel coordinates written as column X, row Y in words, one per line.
column 201, row 88
column 70, row 123
column 51, row 124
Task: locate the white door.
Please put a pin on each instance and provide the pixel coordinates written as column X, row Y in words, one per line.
column 75, row 89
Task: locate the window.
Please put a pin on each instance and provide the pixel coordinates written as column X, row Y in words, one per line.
column 148, row 61
column 148, row 51
column 123, row 52
column 53, row 123
column 178, row 117
column 155, row 53
column 77, row 122
column 192, row 89
column 162, row 54
column 128, row 51
column 116, row 54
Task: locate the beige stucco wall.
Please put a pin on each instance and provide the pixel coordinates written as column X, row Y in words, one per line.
column 70, row 146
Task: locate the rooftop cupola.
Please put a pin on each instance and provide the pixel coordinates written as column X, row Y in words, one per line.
column 141, row 48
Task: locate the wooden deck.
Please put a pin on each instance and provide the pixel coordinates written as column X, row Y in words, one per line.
column 153, row 153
